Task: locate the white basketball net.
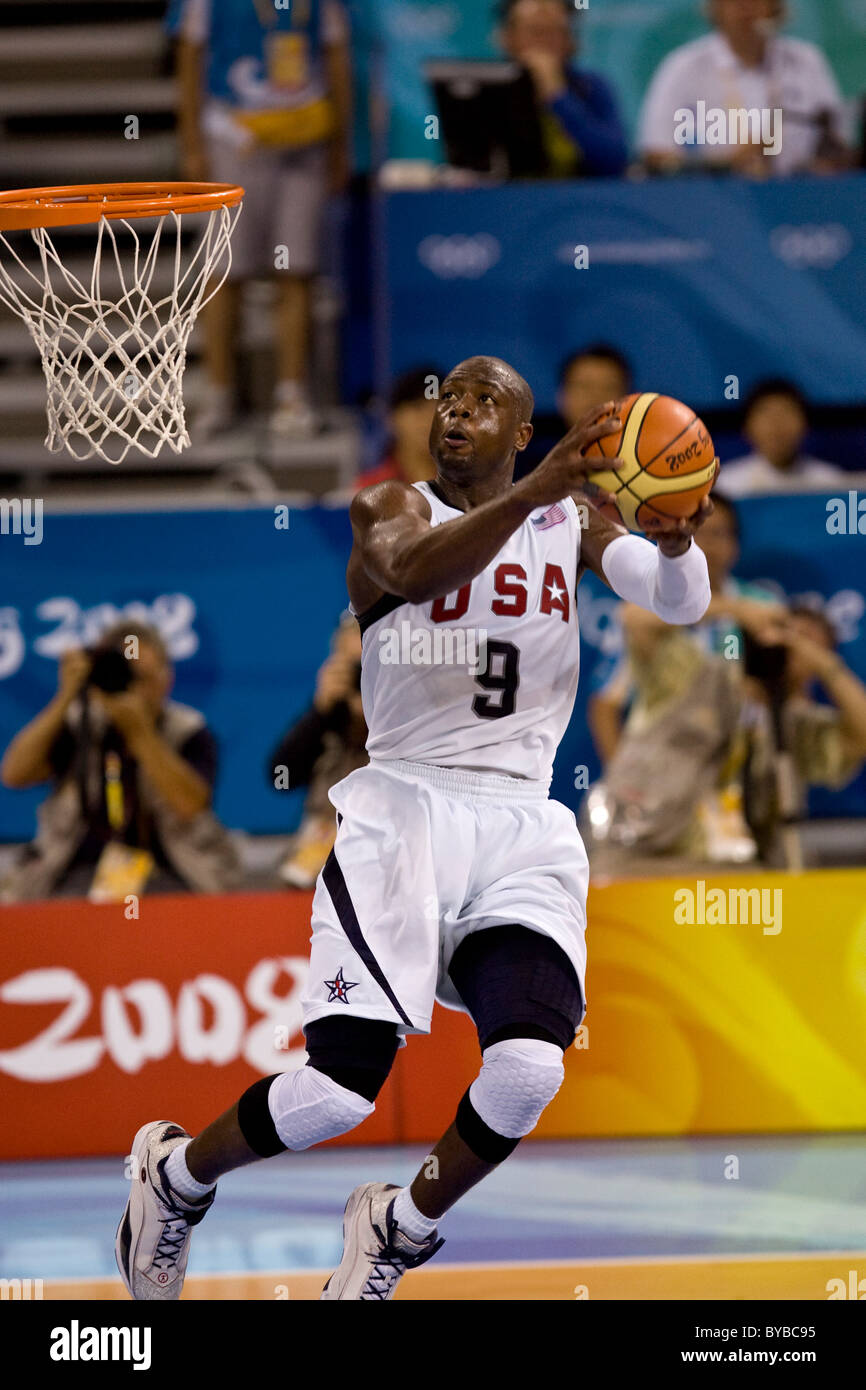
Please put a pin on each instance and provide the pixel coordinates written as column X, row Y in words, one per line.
column 114, row 360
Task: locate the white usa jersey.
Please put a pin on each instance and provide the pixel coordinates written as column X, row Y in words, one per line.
column 484, row 678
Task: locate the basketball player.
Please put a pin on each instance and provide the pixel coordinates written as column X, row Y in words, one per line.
column 453, row 875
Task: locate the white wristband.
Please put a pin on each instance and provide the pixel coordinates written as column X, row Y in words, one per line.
column 676, row 589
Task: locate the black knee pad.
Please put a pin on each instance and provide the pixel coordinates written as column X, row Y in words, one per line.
column 357, row 1053
column 517, row 983
column 255, row 1121
column 484, row 1142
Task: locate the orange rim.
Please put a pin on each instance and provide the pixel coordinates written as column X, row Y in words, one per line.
column 24, row 208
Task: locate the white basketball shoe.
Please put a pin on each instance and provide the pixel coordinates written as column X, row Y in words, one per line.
column 152, row 1242
column 376, row 1253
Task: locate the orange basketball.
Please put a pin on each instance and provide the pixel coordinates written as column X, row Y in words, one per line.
column 670, row 459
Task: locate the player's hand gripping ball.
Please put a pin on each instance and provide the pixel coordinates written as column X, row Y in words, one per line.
column 670, row 461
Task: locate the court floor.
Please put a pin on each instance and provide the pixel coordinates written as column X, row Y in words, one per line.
column 613, row 1219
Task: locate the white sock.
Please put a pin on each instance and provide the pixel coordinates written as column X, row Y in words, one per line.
column 410, row 1220
column 181, row 1180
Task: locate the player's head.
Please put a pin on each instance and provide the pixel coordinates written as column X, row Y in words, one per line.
column 545, row 25
column 590, row 377
column 719, row 539
column 482, row 419
column 776, row 420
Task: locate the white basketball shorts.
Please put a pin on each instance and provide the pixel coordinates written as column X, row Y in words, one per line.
column 425, row 855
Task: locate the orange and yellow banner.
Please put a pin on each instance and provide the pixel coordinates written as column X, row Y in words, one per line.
column 718, row 1023
column 736, row 1004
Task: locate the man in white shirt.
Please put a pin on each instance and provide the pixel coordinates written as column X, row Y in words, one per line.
column 775, row 423
column 745, row 98
column 264, row 97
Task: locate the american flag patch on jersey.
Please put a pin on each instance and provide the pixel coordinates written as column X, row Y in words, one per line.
column 552, row 517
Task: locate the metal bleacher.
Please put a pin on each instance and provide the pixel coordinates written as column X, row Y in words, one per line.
column 71, row 73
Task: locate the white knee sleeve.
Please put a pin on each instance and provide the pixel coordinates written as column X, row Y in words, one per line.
column 307, row 1107
column 518, row 1078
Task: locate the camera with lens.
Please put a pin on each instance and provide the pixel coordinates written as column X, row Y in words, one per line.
column 109, row 671
column 766, row 664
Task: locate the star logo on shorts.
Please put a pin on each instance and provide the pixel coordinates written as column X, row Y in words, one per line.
column 340, row 988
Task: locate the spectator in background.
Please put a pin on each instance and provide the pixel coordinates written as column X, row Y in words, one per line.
column 686, row 736
column 775, row 423
column 265, row 102
column 587, row 378
column 582, row 129
column 133, row 775
column 325, row 745
column 746, row 65
column 410, row 415
column 590, row 377
column 665, row 724
column 826, row 741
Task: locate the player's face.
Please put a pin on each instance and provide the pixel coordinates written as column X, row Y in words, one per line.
column 476, row 424
column 590, row 382
column 538, row 26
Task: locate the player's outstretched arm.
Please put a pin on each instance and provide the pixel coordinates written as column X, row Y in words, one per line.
column 398, row 551
column 669, row 579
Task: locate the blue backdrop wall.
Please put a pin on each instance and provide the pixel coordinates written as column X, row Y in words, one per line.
column 707, row 285
column 248, row 611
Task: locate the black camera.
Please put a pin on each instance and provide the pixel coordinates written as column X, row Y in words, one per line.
column 109, row 671
column 769, row 665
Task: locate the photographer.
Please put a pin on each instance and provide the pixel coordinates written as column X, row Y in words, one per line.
column 667, row 723
column 824, row 744
column 325, row 745
column 692, row 770
column 133, row 775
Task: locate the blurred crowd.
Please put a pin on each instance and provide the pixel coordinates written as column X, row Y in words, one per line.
column 711, row 736
column 743, row 63
column 265, row 100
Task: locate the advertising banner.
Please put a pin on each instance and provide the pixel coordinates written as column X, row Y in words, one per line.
column 736, row 1004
